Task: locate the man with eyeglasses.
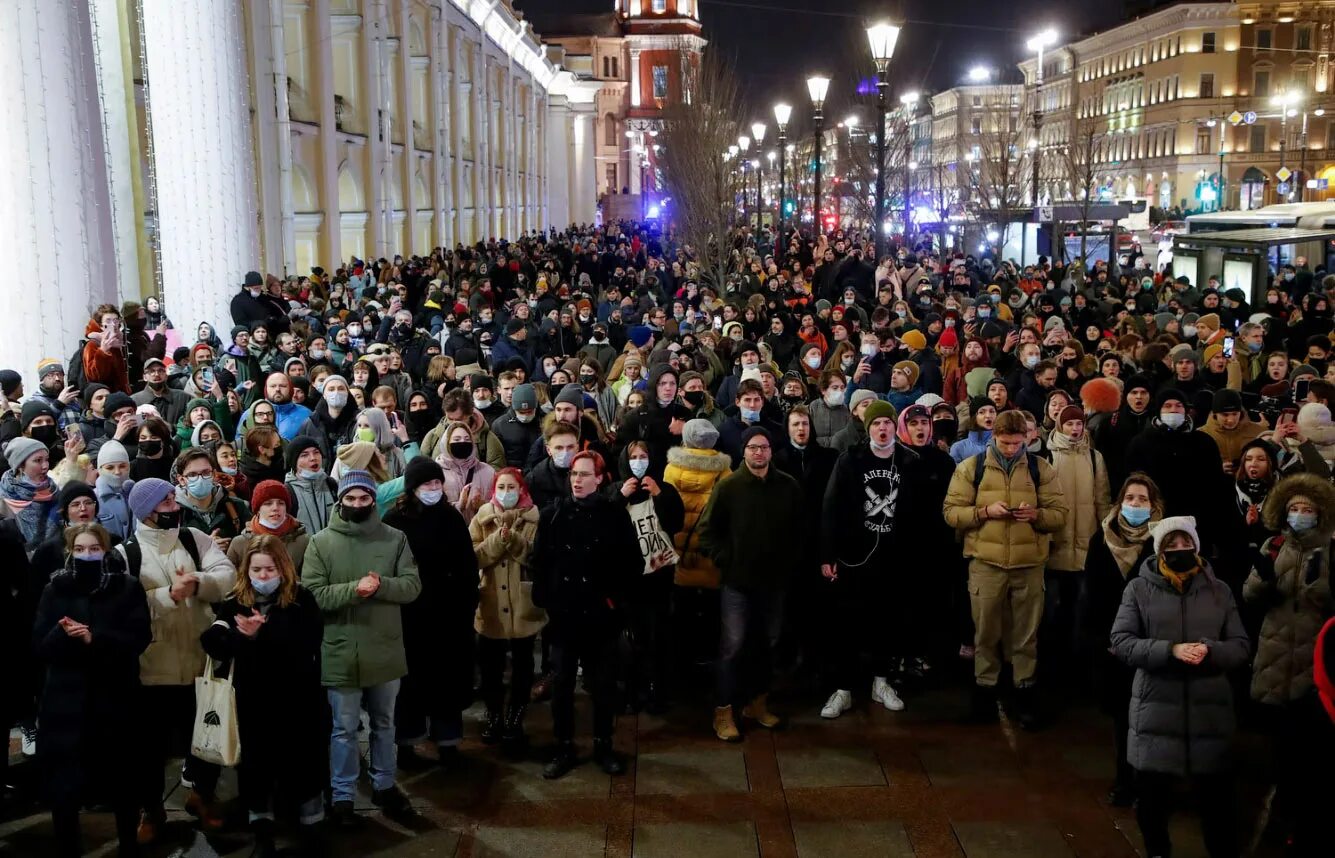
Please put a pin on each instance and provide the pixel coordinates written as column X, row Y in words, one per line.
column 752, row 528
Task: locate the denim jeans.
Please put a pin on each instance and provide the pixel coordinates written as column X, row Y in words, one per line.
column 751, row 623
column 344, row 758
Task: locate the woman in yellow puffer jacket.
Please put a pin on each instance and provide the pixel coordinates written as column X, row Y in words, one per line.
column 693, row 469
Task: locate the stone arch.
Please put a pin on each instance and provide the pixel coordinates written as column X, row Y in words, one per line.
column 351, row 194
column 304, row 198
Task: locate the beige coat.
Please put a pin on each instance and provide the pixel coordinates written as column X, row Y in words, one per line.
column 1084, row 483
column 295, row 542
column 1005, row 542
column 505, row 608
column 175, row 656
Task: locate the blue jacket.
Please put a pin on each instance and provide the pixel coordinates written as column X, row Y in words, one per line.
column 902, row 400
column 506, row 349
column 113, row 510
column 289, row 418
column 976, row 442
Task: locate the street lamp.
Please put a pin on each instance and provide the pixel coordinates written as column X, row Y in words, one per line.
column 817, row 87
column 782, row 113
column 980, row 74
column 1045, row 39
column 758, row 133
column 910, row 101
column 882, row 39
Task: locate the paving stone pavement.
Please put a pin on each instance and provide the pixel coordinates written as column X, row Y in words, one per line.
column 873, row 783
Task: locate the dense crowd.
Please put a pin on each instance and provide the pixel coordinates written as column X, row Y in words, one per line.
column 390, row 487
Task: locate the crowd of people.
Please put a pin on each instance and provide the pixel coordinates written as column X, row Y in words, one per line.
column 396, row 486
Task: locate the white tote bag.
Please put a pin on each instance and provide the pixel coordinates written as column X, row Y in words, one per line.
column 653, row 540
column 215, row 738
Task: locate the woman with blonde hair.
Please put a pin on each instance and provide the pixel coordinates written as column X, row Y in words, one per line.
column 269, row 628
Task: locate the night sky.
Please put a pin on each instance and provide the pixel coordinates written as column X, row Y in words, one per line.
column 775, row 44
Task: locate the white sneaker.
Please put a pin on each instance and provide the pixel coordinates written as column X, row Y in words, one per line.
column 884, row 693
column 29, row 741
column 839, row 703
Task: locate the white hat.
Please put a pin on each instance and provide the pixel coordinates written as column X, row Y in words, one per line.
column 112, row 453
column 1173, row 524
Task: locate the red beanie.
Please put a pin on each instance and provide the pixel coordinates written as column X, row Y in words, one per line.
column 267, row 491
column 948, row 339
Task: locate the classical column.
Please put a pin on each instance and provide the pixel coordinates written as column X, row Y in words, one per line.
column 202, row 155
column 557, row 154
column 407, row 172
column 634, row 77
column 440, row 125
column 323, row 47
column 55, row 202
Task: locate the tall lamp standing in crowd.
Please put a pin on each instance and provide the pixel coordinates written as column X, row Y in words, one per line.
column 882, row 38
column 758, row 133
column 817, row 88
column 782, row 113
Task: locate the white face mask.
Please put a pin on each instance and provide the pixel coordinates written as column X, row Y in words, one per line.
column 336, row 398
column 813, row 361
column 639, row 467
column 430, row 497
column 561, row 458
column 834, row 398
column 869, row 350
column 275, row 521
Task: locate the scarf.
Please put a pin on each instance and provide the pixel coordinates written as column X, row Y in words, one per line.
column 1124, row 541
column 289, row 524
column 34, row 507
column 1179, row 581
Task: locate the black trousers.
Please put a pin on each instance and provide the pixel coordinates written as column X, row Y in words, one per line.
column 1213, row 795
column 168, row 713
column 596, row 649
column 864, row 642
column 491, row 664
column 651, row 622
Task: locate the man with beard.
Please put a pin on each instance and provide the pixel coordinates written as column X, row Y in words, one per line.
column 53, row 392
column 169, row 402
column 288, row 415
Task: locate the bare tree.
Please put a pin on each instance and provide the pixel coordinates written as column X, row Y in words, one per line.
column 1079, row 168
column 995, row 169
column 696, row 131
column 857, row 182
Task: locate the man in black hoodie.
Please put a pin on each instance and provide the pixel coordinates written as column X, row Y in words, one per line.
column 867, row 530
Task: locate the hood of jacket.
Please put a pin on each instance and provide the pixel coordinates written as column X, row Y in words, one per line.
column 691, row 459
column 1311, row 486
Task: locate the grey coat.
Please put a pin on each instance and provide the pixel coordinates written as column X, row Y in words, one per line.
column 1181, row 715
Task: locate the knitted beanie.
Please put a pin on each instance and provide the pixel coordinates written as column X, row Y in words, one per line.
column 146, row 495
column 878, row 409
column 354, row 479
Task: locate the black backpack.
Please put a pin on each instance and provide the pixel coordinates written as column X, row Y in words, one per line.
column 74, row 376
column 134, row 555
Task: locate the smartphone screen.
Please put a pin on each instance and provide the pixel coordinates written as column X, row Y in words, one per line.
column 1228, row 347
column 1300, row 389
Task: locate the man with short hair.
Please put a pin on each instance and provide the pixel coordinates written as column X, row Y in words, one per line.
column 752, row 528
column 289, row 416
column 548, row 480
column 360, row 572
column 55, row 394
column 746, row 414
column 205, row 505
column 1008, row 504
column 169, row 401
column 518, row 427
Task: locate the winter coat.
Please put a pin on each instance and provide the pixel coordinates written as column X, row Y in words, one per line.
column 295, row 541
column 694, row 473
column 586, row 559
column 1231, row 441
column 314, row 499
column 826, row 421
column 971, row 445
column 1114, row 435
column 438, row 624
column 868, row 513
column 175, row 657
column 363, row 637
column 86, row 716
column 754, row 529
column 330, row 433
column 113, row 509
column 489, row 447
column 1181, row 715
column 505, row 608
column 109, row 368
column 515, row 436
column 1188, row 470
column 853, row 434
column 225, row 513
column 1006, row 542
column 1290, row 580
column 1105, row 583
column 464, row 473
column 277, row 679
column 1084, row 481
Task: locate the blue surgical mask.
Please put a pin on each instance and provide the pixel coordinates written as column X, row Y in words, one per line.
column 1032, row 361
column 507, row 499
column 750, row 416
column 1254, row 347
column 1302, row 521
column 430, row 497
column 92, row 556
column 199, row 486
column 266, row 587
column 1135, row 515
column 984, row 312
column 309, row 475
column 561, row 458
column 639, row 467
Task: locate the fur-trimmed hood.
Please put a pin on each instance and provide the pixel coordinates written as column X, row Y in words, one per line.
column 699, row 460
column 1315, row 488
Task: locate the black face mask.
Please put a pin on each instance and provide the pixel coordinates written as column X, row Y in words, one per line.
column 87, row 574
column 1180, row 561
column 355, row 514
column 150, row 448
column 461, row 449
column 695, row 398
column 48, row 435
column 167, row 520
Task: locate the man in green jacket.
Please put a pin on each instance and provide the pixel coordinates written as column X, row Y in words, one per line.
column 748, row 528
column 360, row 571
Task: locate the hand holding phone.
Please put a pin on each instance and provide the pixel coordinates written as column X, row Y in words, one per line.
column 1228, row 347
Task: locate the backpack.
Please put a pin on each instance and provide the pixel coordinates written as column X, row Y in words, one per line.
column 134, row 555
column 74, row 376
column 980, row 462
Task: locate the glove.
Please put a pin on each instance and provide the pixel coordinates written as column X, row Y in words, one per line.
column 1264, row 567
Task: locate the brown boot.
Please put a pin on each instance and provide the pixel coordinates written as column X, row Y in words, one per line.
column 724, row 725
column 147, row 833
column 206, row 810
column 757, row 711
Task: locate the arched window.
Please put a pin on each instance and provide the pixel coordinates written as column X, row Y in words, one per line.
column 610, row 136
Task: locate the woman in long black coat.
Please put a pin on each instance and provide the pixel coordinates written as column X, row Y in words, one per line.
column 438, row 636
column 269, row 634
column 1117, row 550
column 92, row 625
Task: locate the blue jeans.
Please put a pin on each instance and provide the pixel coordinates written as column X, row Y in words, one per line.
column 750, row 624
column 344, row 758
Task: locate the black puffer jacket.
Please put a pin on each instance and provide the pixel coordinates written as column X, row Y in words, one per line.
column 1182, row 720
column 585, row 560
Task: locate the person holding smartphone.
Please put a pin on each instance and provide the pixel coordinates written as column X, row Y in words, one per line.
column 104, row 355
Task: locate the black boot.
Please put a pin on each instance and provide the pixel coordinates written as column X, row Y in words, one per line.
column 608, row 759
column 411, row 761
column 982, row 705
column 1024, row 708
column 515, row 737
column 448, row 756
column 493, row 731
column 264, row 842
column 312, row 841
column 562, row 761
